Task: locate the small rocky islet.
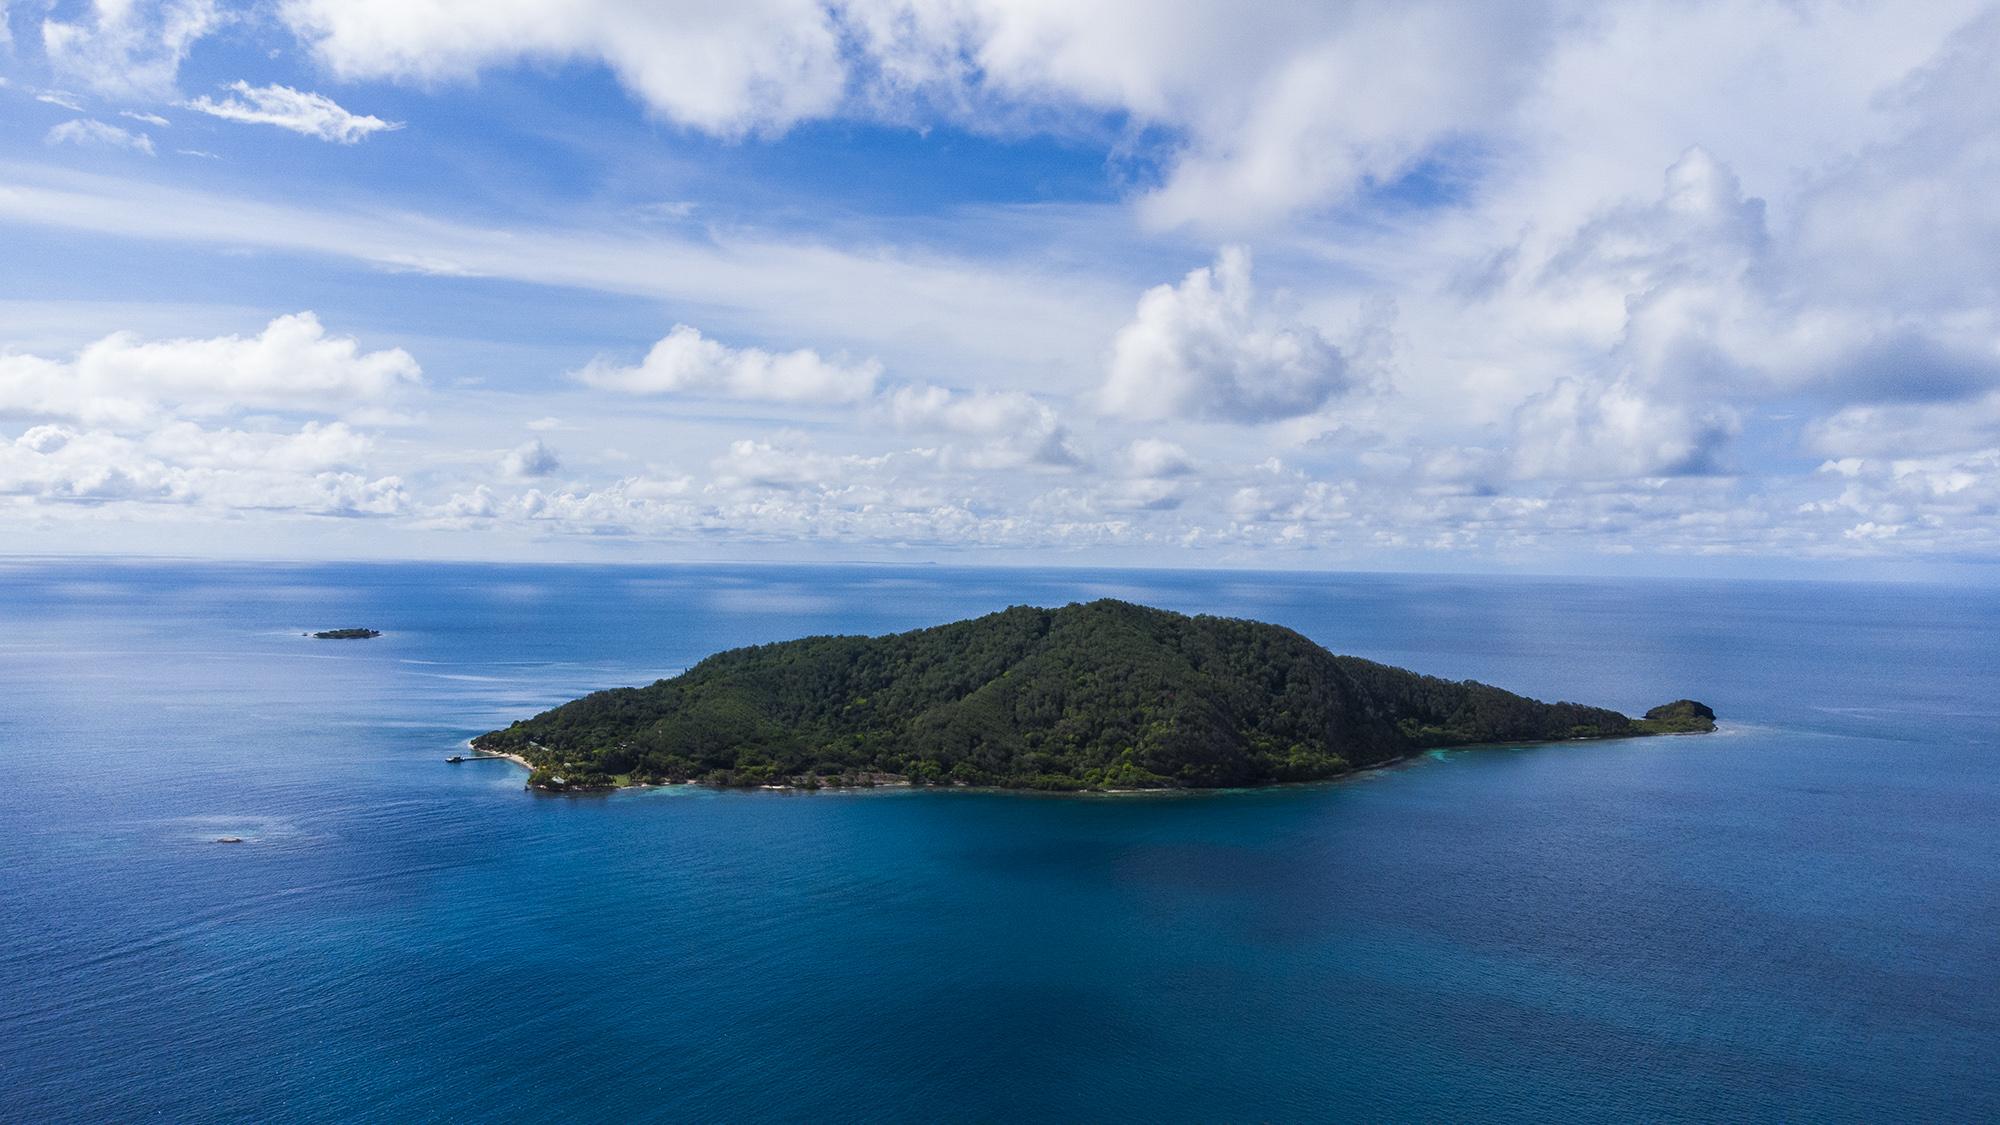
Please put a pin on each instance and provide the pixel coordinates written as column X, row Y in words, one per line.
column 1091, row 696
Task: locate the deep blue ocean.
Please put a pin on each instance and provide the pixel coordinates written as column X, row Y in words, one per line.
column 1795, row 918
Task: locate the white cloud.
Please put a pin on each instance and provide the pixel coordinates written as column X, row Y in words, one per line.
column 1893, row 429
column 316, row 447
column 313, row 470
column 1920, row 505
column 1715, row 313
column 88, row 132
column 1208, row 348
column 1280, row 107
column 725, row 68
column 1579, row 430
column 476, row 505
column 120, row 48
column 309, row 114
column 1015, row 428
column 1269, row 110
column 1358, row 99
column 528, row 460
column 790, row 463
column 128, row 421
column 685, row 362
column 1152, row 457
column 1560, row 351
column 152, row 119
column 292, row 365
column 60, row 100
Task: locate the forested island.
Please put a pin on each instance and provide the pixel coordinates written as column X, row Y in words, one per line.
column 1104, row 695
column 346, row 634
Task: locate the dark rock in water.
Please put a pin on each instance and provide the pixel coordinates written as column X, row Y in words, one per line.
column 229, row 839
column 1682, row 716
column 347, row 634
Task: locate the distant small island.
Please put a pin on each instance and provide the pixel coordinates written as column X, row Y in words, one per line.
column 346, row 634
column 1098, row 696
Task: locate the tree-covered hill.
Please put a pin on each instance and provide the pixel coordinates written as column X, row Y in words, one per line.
column 1099, row 695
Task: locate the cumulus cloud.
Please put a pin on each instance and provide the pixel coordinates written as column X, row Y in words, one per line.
column 302, row 112
column 1152, row 457
column 88, row 132
column 790, row 463
column 530, row 459
column 128, row 421
column 1580, row 430
column 686, row 362
column 130, row 50
column 1209, row 348
column 476, row 505
column 1910, row 505
column 312, row 470
column 1016, row 428
column 292, row 365
column 1720, row 314
column 1894, row 429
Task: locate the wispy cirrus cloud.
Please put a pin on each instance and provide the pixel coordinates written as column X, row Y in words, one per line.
column 300, row 111
column 88, row 132
column 924, row 307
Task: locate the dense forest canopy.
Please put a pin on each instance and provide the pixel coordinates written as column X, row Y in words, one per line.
column 1100, row 695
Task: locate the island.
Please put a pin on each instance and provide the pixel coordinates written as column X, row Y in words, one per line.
column 1105, row 695
column 346, row 634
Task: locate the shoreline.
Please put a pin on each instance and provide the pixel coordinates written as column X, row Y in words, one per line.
column 514, row 758
column 903, row 785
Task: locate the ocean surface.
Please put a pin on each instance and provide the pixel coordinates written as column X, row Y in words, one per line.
column 1795, row 918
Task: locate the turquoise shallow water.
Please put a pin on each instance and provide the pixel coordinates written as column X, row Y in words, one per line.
column 1798, row 917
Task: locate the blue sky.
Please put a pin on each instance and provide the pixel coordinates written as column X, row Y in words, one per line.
column 1647, row 287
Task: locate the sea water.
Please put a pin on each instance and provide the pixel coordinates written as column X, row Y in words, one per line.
column 1796, row 917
